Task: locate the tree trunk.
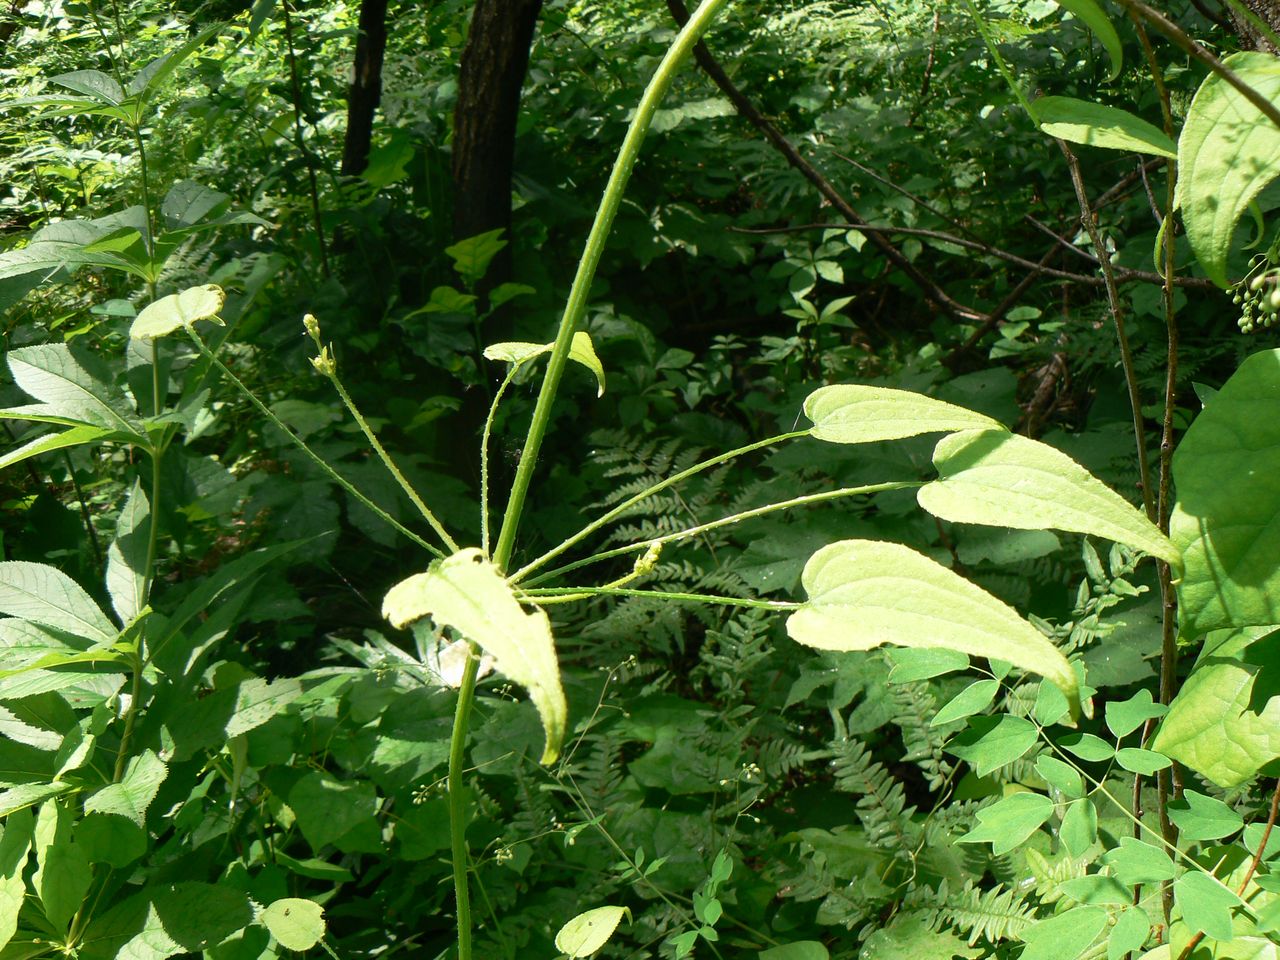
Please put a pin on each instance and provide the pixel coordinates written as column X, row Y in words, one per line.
column 1251, row 38
column 484, row 122
column 366, row 86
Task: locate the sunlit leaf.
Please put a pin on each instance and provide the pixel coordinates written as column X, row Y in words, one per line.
column 852, row 413
column 178, row 310
column 1097, row 125
column 581, row 350
column 295, row 923
column 1095, row 18
column 589, row 931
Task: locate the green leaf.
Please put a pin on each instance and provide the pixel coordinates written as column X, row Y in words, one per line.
column 1126, row 716
column 1227, row 474
column 991, row 742
column 1226, row 156
column 800, row 950
column 28, row 795
column 1205, row 904
column 296, row 924
column 471, row 257
column 849, row 413
column 92, row 83
column 466, row 592
column 47, row 596
column 14, row 848
column 1135, row 862
column 1065, row 936
column 1198, row 817
column 589, row 931
column 1225, row 721
column 922, row 663
column 1145, row 762
column 178, row 310
column 1004, row 480
column 327, row 808
column 1009, row 822
column 127, row 556
column 73, row 387
column 132, row 796
column 1130, row 932
column 85, row 433
column 151, row 77
column 581, row 350
column 972, row 699
column 1087, row 747
column 62, row 876
column 1098, row 889
column 1095, row 18
column 1061, row 776
column 1096, row 125
column 864, row 593
column 1079, row 827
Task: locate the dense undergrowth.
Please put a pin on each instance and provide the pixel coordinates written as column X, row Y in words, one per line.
column 244, row 738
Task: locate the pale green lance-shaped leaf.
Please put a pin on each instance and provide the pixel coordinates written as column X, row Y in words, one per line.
column 1095, row 18
column 1097, row 125
column 296, row 924
column 27, row 795
column 1227, row 154
column 62, row 876
column 466, row 592
column 84, row 433
column 864, row 593
column 581, row 350
column 72, row 387
column 127, row 556
column 1008, row 822
column 47, row 596
column 1205, row 904
column 852, row 413
column 178, row 310
column 14, row 848
column 589, row 931
column 133, row 794
column 1225, row 721
column 1226, row 520
column 92, row 83
column 1065, row 936
column 972, row 699
column 1004, row 480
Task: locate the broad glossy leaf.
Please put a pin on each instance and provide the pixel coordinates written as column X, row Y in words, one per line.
column 581, row 350
column 1008, row 822
column 1096, row 19
column 589, row 931
column 47, row 596
column 1227, row 153
column 852, row 413
column 178, row 310
column 864, row 593
column 1227, row 474
column 466, row 592
column 1097, row 125
column 72, row 387
column 127, row 556
column 1224, row 722
column 1001, row 479
column 295, row 923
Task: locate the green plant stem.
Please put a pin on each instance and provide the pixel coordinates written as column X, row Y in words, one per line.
column 387, row 462
column 1117, row 317
column 579, row 293
column 546, row 595
column 630, row 502
column 484, row 457
column 314, row 457
column 801, row 501
column 1197, row 52
column 458, row 802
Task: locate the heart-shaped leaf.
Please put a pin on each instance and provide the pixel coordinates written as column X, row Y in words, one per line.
column 581, row 350
column 178, row 310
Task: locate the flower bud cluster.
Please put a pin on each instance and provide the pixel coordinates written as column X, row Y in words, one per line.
column 1258, row 297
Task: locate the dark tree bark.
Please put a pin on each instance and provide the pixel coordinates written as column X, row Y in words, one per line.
column 484, row 121
column 366, row 86
column 1268, row 11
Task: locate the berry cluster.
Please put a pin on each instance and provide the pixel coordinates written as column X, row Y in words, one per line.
column 1258, row 296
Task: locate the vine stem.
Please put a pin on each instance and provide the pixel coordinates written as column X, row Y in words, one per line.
column 575, row 308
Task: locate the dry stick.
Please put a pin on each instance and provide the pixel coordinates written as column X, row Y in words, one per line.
column 1253, row 867
column 935, row 294
column 1117, row 315
column 1165, row 779
column 1121, row 275
column 1194, row 50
